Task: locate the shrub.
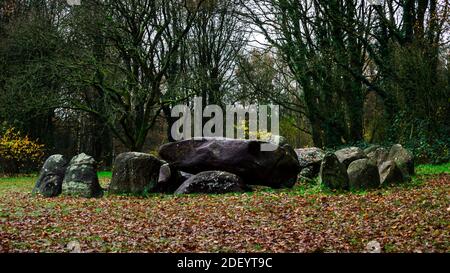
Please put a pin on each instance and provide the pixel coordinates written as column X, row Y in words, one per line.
column 19, row 153
column 261, row 135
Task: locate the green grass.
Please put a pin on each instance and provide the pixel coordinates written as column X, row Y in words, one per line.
column 105, row 175
column 17, row 184
column 18, row 179
column 26, row 183
column 433, row 169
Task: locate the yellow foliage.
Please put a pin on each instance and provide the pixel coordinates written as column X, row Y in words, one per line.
column 17, row 151
column 261, row 135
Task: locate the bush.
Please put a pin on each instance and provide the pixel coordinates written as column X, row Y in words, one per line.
column 436, row 152
column 428, row 140
column 19, row 153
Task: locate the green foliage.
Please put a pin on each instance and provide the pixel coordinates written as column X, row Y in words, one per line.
column 290, row 129
column 417, row 84
column 429, row 144
column 435, row 152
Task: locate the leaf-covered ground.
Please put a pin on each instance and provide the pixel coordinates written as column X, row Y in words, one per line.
column 414, row 218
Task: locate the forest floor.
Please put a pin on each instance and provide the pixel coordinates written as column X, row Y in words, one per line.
column 414, row 217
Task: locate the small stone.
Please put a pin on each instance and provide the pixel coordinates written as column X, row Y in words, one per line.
column 74, row 247
column 373, row 247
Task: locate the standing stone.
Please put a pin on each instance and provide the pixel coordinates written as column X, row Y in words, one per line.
column 309, row 173
column 212, row 182
column 310, row 160
column 135, row 173
column 169, row 179
column 390, row 173
column 348, row 155
column 81, row 178
column 379, row 156
column 49, row 183
column 333, row 173
column 403, row 158
column 373, row 247
column 363, row 174
column 165, row 174
column 277, row 169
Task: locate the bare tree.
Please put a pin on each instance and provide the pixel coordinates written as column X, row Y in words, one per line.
column 141, row 44
column 207, row 59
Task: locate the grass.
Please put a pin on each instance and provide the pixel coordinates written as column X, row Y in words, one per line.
column 104, row 175
column 433, row 169
column 17, row 184
column 25, row 183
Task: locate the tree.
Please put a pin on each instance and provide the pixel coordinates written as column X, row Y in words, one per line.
column 138, row 45
column 207, row 59
column 317, row 42
column 412, row 71
column 30, row 43
column 340, row 50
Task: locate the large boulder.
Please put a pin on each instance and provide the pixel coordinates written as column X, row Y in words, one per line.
column 333, row 173
column 363, row 174
column 310, row 160
column 135, row 173
column 49, row 183
column 245, row 158
column 390, row 174
column 379, row 156
column 212, row 182
column 81, row 178
column 348, row 155
column 403, row 158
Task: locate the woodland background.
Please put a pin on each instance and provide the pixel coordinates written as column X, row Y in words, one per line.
column 101, row 77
